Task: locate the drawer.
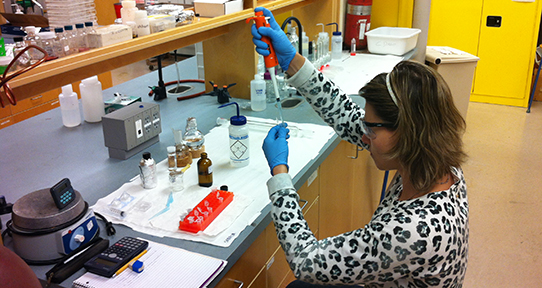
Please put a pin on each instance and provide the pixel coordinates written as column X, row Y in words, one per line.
column 6, row 111
column 246, row 269
column 259, row 281
column 35, row 101
column 36, row 111
column 7, row 121
column 277, row 269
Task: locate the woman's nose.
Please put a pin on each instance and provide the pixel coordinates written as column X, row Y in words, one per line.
column 365, row 139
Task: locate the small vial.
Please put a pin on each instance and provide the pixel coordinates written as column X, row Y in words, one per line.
column 353, row 47
column 172, row 165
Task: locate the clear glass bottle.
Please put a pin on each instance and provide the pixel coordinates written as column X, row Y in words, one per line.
column 294, row 39
column 305, row 44
column 193, row 138
column 32, row 38
column 205, row 171
column 72, row 39
column 60, row 43
column 46, row 42
column 82, row 44
column 89, row 29
column 24, row 59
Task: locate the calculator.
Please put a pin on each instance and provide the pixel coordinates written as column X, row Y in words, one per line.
column 116, row 256
column 62, row 193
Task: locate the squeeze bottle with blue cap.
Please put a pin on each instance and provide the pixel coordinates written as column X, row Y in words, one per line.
column 336, row 43
column 239, row 141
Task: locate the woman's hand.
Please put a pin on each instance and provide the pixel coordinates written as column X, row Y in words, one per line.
column 283, row 48
column 275, row 148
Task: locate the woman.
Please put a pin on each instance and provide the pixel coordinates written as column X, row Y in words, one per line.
column 418, row 235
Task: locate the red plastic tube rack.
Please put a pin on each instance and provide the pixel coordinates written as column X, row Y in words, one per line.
column 206, row 211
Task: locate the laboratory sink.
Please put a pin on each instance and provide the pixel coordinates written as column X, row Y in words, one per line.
column 291, row 102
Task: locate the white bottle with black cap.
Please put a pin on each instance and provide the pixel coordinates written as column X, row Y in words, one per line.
column 147, row 168
column 239, row 141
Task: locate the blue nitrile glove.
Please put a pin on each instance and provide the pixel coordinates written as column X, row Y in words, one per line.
column 275, row 146
column 283, row 48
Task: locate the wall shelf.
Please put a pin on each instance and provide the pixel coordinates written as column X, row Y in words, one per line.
column 69, row 69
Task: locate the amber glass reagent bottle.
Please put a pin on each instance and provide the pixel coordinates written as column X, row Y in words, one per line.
column 205, row 171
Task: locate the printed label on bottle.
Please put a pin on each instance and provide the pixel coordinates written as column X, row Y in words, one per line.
column 239, row 148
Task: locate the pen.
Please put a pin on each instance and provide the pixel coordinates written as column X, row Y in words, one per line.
column 130, row 263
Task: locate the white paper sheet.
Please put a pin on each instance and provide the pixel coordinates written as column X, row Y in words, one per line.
column 247, row 184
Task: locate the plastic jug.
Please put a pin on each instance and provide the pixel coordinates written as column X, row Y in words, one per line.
column 69, row 106
column 92, row 98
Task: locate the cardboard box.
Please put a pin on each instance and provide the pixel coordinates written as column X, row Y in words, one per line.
column 213, row 8
column 161, row 22
column 109, row 35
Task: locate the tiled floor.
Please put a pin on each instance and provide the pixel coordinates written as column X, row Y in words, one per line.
column 504, row 178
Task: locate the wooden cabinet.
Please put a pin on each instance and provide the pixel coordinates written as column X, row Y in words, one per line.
column 503, row 74
column 264, row 263
column 248, row 267
column 349, row 190
column 340, row 196
column 5, row 116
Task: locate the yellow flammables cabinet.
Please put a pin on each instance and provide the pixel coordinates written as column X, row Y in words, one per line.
column 502, row 33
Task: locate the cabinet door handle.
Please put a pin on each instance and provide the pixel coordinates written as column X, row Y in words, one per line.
column 239, row 282
column 304, row 203
column 357, row 152
column 36, row 98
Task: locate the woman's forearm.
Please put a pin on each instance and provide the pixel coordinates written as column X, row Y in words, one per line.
column 296, row 64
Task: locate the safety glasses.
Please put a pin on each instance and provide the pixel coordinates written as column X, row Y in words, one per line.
column 369, row 132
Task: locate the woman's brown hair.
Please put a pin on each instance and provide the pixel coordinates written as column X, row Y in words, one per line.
column 428, row 126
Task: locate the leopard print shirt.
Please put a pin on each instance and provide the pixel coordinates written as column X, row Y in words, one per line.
column 414, row 243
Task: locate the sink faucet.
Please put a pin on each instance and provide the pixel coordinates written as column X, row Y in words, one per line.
column 291, row 18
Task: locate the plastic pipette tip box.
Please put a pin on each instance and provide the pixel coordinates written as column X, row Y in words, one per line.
column 206, row 211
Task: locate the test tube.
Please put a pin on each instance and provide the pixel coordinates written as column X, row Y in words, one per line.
column 353, row 47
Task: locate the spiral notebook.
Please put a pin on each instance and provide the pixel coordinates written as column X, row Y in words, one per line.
column 165, row 266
